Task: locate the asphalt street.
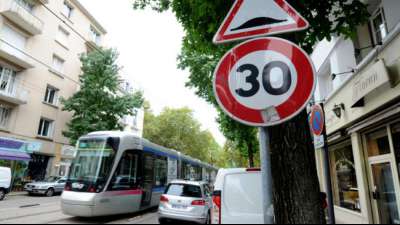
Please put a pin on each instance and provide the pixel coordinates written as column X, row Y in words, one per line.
column 43, row 210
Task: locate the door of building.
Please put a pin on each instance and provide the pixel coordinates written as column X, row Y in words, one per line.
column 383, row 176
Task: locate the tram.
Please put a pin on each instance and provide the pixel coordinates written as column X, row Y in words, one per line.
column 119, row 173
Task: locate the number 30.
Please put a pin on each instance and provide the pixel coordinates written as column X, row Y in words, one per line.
column 266, row 79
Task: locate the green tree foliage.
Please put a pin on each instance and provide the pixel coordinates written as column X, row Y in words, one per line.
column 100, row 103
column 292, row 158
column 178, row 129
column 230, row 157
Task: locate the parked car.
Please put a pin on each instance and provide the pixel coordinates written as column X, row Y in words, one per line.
column 187, row 201
column 48, row 187
column 237, row 197
column 5, row 182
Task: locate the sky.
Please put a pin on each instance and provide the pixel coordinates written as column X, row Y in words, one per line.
column 149, row 43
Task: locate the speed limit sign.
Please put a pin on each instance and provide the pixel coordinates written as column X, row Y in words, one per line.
column 264, row 82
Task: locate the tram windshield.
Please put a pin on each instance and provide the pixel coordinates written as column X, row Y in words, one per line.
column 92, row 165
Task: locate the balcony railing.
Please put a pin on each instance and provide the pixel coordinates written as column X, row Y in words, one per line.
column 14, row 93
column 21, row 16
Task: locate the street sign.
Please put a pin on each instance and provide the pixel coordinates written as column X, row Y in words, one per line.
column 317, row 120
column 255, row 18
column 264, row 82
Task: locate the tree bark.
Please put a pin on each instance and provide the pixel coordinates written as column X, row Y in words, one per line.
column 297, row 197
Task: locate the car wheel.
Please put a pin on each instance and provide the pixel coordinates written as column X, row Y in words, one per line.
column 2, row 195
column 161, row 221
column 50, row 192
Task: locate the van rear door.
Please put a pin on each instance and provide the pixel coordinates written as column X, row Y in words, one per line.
column 5, row 177
column 242, row 199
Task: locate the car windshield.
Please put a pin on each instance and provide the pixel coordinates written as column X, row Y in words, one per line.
column 184, row 190
column 92, row 164
column 52, row 179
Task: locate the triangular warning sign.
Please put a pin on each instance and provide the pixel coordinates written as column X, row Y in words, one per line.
column 254, row 18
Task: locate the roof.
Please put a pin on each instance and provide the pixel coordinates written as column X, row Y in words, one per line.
column 145, row 143
column 195, row 183
column 95, row 22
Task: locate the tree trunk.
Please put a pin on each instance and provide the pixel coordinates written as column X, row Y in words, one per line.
column 251, row 155
column 296, row 187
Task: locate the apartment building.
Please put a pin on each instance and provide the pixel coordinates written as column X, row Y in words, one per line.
column 39, row 63
column 359, row 82
column 132, row 123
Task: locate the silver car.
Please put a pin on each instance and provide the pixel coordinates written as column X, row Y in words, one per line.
column 186, row 201
column 48, row 187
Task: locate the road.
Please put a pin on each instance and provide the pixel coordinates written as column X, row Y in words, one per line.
column 43, row 210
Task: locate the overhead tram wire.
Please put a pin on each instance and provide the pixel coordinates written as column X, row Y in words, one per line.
column 70, row 27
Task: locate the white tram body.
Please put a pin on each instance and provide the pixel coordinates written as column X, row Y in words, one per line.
column 118, row 173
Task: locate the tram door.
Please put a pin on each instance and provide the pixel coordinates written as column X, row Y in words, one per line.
column 148, row 179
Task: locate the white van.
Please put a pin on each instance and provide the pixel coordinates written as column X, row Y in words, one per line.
column 237, row 197
column 5, row 181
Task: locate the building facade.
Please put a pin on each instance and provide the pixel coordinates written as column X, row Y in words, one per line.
column 39, row 64
column 359, row 83
column 132, row 123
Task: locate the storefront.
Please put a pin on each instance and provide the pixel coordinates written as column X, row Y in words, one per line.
column 14, row 156
column 363, row 126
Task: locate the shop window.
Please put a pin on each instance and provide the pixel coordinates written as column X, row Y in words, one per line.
column 344, row 179
column 396, row 142
column 378, row 143
column 161, row 172
column 125, row 177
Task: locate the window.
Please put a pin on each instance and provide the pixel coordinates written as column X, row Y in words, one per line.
column 344, row 180
column 378, row 143
column 5, row 114
column 26, row 4
column 58, row 64
column 125, row 177
column 95, row 35
column 51, row 96
column 67, row 10
column 45, row 128
column 396, row 142
column 62, row 36
column 161, row 173
column 7, row 80
column 379, row 27
column 184, row 190
column 15, row 38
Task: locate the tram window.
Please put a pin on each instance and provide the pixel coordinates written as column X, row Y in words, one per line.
column 161, row 172
column 125, row 177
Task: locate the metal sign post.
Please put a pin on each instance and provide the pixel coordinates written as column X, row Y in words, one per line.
column 318, row 127
column 266, row 173
column 328, row 179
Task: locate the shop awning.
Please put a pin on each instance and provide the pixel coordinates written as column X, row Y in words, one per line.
column 13, row 155
column 12, row 149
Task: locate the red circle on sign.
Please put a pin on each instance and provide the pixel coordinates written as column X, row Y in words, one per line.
column 291, row 107
column 317, row 120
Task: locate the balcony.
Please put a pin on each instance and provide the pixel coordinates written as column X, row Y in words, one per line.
column 13, row 93
column 21, row 16
column 15, row 56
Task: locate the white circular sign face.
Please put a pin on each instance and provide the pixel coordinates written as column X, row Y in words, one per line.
column 264, row 81
column 256, row 79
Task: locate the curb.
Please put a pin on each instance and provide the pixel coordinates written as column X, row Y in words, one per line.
column 13, row 194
